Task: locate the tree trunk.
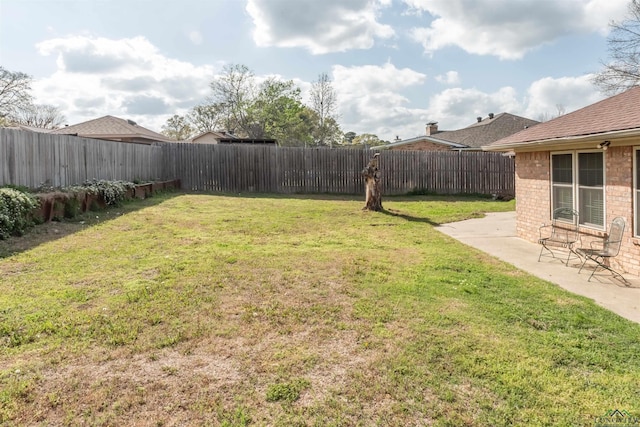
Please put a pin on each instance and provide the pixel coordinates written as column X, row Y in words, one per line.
column 373, row 199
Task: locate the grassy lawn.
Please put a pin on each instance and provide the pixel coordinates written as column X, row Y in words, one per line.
column 294, row 311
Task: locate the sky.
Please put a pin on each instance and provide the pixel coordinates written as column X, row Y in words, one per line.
column 394, row 64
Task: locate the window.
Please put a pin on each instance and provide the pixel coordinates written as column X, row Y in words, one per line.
column 562, row 180
column 636, row 191
column 577, row 182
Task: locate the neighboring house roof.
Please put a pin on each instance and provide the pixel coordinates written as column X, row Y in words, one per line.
column 488, row 130
column 115, row 129
column 617, row 116
column 234, row 140
column 484, row 131
column 215, row 134
column 452, row 145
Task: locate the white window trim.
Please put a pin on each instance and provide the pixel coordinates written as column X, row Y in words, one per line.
column 576, row 184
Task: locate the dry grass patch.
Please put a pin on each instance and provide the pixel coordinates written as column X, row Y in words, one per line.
column 242, row 311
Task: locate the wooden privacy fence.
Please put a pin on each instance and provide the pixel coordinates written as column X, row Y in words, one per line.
column 31, row 159
column 238, row 168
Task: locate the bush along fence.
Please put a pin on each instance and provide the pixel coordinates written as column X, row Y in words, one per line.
column 29, row 159
column 19, row 209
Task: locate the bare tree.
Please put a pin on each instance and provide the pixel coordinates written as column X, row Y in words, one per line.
column 43, row 116
column 14, row 92
column 561, row 110
column 177, row 127
column 324, row 103
column 622, row 71
column 207, row 118
column 234, row 91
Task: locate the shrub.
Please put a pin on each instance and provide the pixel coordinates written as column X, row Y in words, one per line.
column 112, row 192
column 16, row 209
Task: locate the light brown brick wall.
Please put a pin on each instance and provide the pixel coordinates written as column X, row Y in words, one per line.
column 422, row 146
column 619, row 202
column 533, row 204
column 533, row 200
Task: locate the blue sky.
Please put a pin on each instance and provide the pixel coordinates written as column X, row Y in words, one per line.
column 395, row 64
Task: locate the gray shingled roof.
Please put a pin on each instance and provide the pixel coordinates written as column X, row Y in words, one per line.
column 488, row 130
column 109, row 127
column 617, row 113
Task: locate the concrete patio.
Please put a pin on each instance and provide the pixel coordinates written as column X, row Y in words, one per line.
column 495, row 234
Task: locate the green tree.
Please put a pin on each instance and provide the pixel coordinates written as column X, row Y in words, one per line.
column 349, row 137
column 276, row 107
column 368, row 139
column 178, row 128
column 622, row 71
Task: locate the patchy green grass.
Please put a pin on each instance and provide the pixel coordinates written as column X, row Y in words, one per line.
column 260, row 310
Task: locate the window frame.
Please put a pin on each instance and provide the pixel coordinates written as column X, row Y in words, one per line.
column 575, row 185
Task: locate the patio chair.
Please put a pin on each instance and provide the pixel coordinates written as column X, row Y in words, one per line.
column 561, row 234
column 601, row 252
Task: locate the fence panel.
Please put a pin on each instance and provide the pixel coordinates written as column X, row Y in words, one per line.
column 31, row 159
column 249, row 168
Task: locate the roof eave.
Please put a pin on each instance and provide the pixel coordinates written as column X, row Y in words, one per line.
column 429, row 138
column 127, row 135
column 565, row 142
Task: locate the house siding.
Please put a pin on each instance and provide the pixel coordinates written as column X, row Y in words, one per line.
column 533, row 200
column 207, row 138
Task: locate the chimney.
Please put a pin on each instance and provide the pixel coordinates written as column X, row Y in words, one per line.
column 432, row 128
column 491, row 115
column 479, row 119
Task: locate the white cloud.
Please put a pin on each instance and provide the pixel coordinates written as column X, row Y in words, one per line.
column 546, row 96
column 458, row 108
column 130, row 78
column 449, row 78
column 389, row 115
column 371, row 101
column 509, row 29
column 195, row 37
column 320, row 27
column 126, row 78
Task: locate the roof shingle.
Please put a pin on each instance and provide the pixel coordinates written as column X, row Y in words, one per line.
column 617, row 113
column 488, row 130
column 110, row 126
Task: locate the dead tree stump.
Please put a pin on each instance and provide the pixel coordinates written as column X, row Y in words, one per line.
column 373, row 199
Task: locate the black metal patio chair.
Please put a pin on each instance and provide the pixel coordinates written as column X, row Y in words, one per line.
column 561, row 234
column 601, row 252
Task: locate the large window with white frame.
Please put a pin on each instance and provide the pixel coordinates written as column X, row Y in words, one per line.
column 577, row 181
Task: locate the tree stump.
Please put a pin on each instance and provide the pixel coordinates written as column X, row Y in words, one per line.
column 373, row 199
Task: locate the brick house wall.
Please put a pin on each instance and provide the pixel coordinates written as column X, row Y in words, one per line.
column 422, row 146
column 533, row 200
column 533, row 189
